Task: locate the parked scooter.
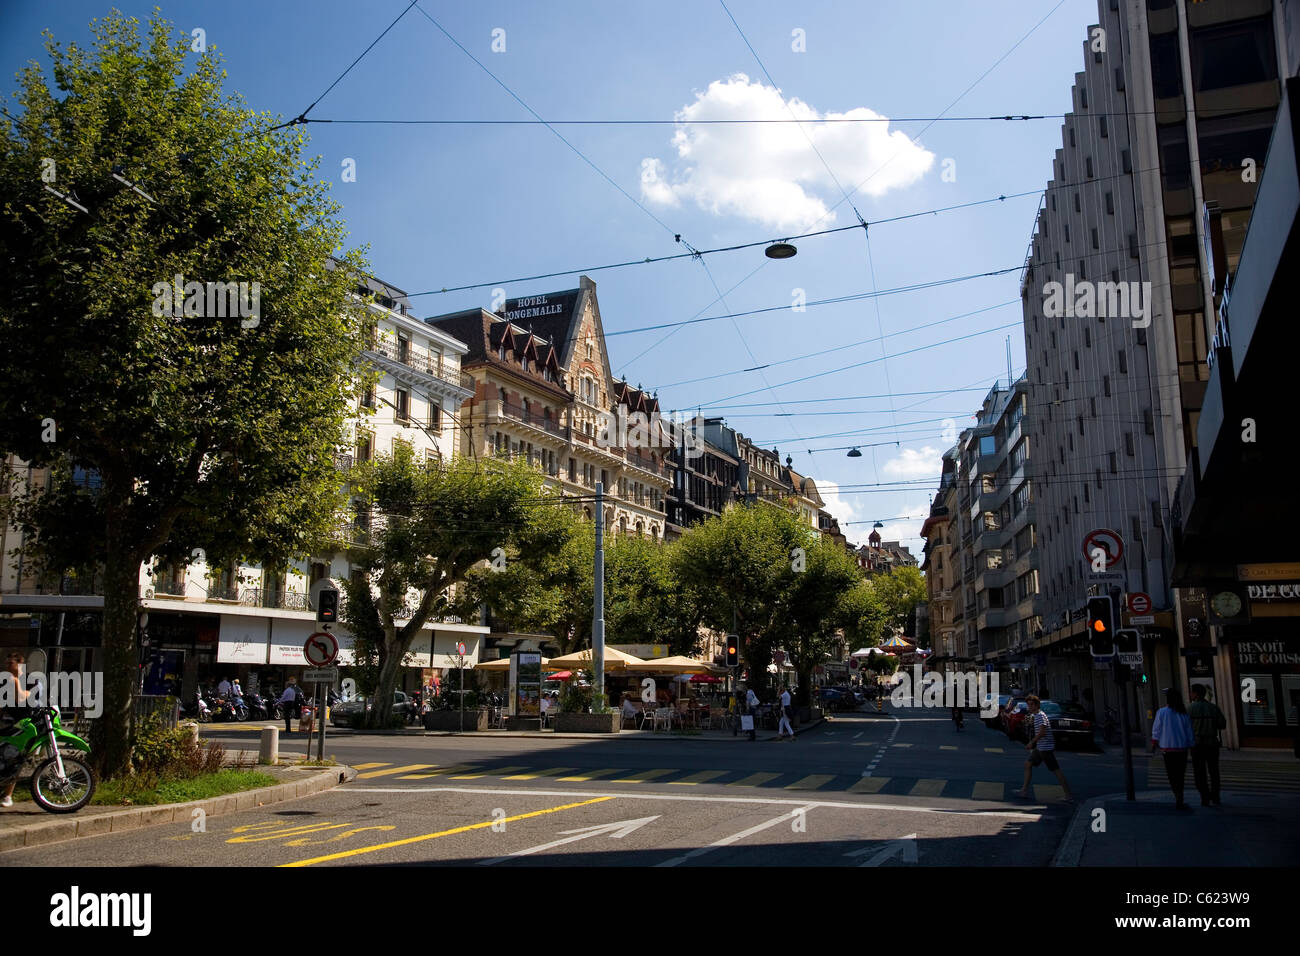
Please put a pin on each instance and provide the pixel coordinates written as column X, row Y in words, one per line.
column 257, row 708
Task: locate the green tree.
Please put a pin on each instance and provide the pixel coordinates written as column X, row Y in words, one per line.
column 426, row 529
column 815, row 607
column 740, row 565
column 901, row 590
column 189, row 428
column 863, row 615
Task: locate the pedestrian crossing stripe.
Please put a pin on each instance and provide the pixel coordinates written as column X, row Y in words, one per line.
column 927, row 788
column 869, row 785
column 392, row 770
column 754, row 780
column 534, row 774
column 591, row 775
column 643, row 776
column 368, row 766
column 984, row 790
column 900, row 745
column 480, row 772
column 704, row 776
column 436, row 771
column 811, row 782
column 994, row 750
column 947, row 747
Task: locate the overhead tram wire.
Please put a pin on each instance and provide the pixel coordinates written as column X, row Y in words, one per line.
column 301, row 118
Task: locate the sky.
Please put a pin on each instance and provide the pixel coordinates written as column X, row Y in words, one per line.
column 488, row 204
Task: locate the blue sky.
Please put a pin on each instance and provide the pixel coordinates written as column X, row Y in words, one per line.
column 443, row 206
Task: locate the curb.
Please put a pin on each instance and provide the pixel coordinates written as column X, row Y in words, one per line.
column 134, row 818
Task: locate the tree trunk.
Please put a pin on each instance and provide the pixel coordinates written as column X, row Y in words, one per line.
column 390, row 665
column 110, row 741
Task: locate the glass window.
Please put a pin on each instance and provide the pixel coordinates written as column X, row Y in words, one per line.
column 1233, row 54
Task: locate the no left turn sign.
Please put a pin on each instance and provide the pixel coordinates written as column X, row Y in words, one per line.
column 1108, row 542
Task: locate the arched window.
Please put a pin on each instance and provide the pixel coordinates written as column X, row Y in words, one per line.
column 640, row 529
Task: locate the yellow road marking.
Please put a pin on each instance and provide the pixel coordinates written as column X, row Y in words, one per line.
column 704, row 776
column 994, row 750
column 643, row 776
column 426, row 774
column 441, row 833
column 900, row 745
column 811, row 782
column 488, row 773
column 754, row 780
column 368, row 766
column 866, row 744
column 392, row 770
column 927, row 788
column 946, row 747
column 986, row 790
column 869, row 785
column 591, row 774
column 278, row 830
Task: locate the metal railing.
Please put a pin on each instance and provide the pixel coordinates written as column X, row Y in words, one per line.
column 528, row 417
column 421, row 360
column 281, row 600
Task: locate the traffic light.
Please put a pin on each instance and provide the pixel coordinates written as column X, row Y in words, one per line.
column 1101, row 628
column 733, row 650
column 327, row 606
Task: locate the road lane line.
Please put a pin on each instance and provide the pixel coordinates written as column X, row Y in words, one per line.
column 884, row 748
column 811, row 782
column 900, row 745
column 994, row 750
column 947, row 747
column 754, row 780
column 704, row 776
column 442, row 833
column 858, row 734
column 736, row 837
column 391, row 770
column 927, row 787
column 869, row 785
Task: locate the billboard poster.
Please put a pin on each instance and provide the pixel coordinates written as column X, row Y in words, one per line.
column 526, row 684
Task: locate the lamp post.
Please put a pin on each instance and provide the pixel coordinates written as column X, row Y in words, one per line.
column 598, row 589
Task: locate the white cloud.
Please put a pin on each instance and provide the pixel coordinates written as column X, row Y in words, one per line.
column 907, row 527
column 843, row 510
column 924, row 462
column 768, row 172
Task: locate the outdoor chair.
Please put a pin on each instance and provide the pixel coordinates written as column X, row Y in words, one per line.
column 664, row 715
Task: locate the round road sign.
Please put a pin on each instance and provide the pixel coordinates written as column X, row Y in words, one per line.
column 1139, row 603
column 460, row 648
column 1108, row 542
column 321, row 649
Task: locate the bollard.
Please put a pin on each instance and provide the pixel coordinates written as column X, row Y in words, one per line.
column 269, row 751
column 193, row 731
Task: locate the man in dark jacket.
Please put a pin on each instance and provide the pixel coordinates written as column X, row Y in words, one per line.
column 1207, row 721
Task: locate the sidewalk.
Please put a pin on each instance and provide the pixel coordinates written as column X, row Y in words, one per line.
column 1249, row 830
column 25, row 824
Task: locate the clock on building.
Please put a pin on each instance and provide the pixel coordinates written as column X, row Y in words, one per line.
column 1227, row 605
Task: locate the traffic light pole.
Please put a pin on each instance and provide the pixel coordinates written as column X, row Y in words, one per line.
column 1129, row 791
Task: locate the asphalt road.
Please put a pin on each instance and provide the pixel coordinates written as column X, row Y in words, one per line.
column 861, row 790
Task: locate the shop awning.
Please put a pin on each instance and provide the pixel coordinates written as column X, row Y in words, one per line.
column 614, row 660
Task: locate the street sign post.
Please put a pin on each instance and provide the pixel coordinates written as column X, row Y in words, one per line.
column 320, row 675
column 1104, row 545
column 1139, row 603
column 321, row 649
column 1128, row 646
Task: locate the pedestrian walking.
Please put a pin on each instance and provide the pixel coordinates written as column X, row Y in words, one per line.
column 1042, row 749
column 289, row 702
column 786, row 711
column 1172, row 733
column 751, row 708
column 1207, row 721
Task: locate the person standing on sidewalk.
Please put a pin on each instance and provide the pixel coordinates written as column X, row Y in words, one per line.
column 751, row 708
column 289, row 702
column 1042, row 749
column 786, row 710
column 1172, row 733
column 1207, row 721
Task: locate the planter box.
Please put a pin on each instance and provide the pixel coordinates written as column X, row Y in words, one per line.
column 523, row 723
column 588, row 723
column 450, row 720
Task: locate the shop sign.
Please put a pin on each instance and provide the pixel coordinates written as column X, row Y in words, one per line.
column 1266, row 653
column 1290, row 591
column 1268, row 572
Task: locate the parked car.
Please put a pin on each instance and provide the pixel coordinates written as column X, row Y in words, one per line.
column 837, row 698
column 345, row 714
column 1070, row 723
column 995, row 722
column 1014, row 719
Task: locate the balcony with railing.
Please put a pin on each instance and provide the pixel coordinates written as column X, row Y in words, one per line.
column 530, row 417
column 422, row 361
column 274, row 599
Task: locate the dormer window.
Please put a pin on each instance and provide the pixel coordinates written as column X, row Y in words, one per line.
column 525, row 361
column 501, row 353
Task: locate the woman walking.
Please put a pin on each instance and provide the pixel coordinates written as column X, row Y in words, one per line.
column 1172, row 733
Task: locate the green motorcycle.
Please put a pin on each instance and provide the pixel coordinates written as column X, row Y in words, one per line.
column 61, row 782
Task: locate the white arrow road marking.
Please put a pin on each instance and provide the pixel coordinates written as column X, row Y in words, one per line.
column 736, row 837
column 904, row 845
column 614, row 830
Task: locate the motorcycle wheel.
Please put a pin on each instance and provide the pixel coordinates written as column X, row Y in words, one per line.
column 67, row 795
column 241, row 713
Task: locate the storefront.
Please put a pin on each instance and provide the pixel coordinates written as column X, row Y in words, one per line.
column 1265, row 663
